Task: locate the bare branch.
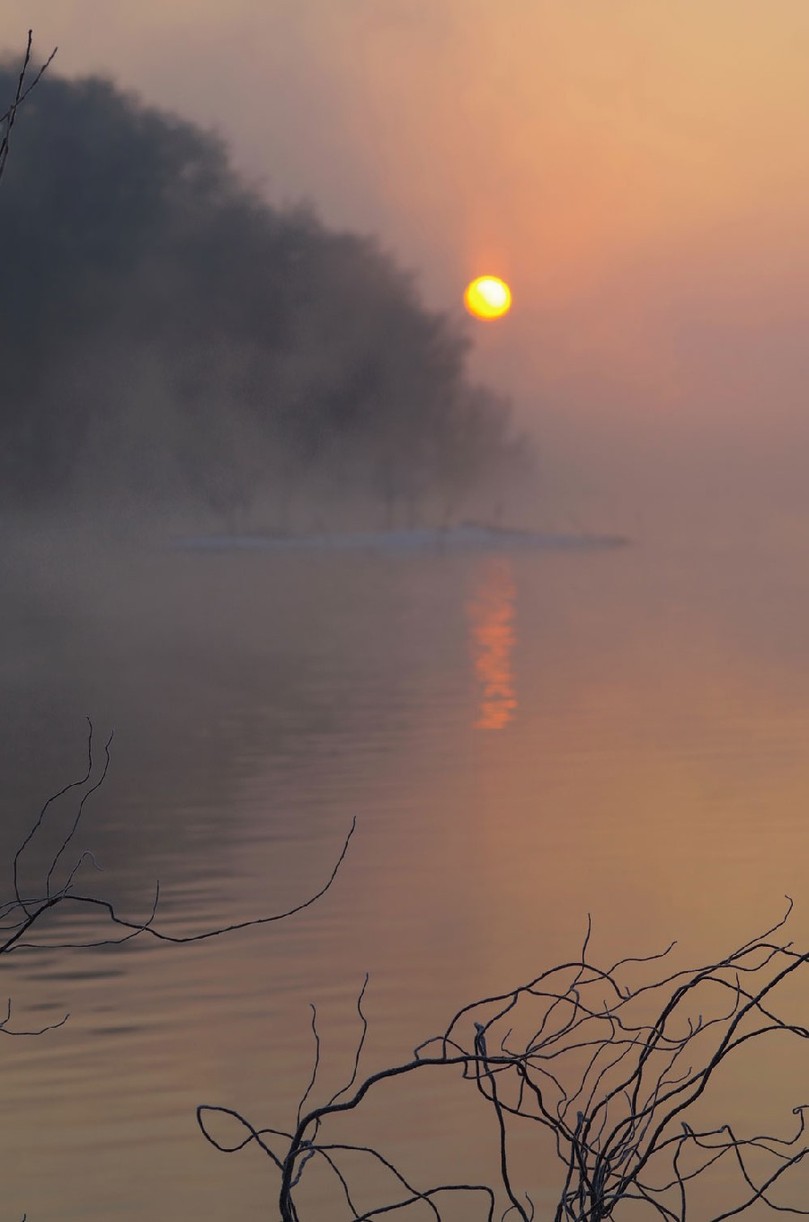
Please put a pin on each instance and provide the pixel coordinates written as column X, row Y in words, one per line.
column 25, row 83
column 629, row 1061
column 22, row 911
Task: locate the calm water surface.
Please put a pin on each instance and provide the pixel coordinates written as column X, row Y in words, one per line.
column 522, row 738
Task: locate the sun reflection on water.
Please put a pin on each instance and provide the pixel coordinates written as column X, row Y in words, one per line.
column 492, row 636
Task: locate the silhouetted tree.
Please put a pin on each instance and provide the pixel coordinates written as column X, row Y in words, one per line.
column 171, row 337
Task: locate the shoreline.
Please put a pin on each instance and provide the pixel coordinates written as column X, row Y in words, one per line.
column 468, row 535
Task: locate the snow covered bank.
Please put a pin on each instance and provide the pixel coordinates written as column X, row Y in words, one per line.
column 468, row 536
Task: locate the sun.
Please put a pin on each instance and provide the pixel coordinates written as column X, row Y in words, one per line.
column 487, row 297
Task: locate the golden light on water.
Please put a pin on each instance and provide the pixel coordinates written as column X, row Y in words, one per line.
column 492, row 639
column 487, row 297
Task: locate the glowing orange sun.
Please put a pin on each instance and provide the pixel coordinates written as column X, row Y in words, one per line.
column 487, row 297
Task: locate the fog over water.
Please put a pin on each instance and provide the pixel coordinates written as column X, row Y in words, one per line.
column 644, row 191
column 523, row 739
column 255, row 337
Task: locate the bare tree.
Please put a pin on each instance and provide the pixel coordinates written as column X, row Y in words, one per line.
column 26, row 81
column 610, row 1072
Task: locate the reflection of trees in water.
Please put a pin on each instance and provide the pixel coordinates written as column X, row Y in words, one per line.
column 492, row 636
column 226, row 680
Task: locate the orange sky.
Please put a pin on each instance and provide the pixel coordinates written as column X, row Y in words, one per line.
column 638, row 169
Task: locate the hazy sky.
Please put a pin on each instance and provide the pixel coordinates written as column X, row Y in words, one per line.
column 638, row 169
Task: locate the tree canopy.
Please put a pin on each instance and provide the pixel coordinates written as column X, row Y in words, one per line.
column 172, row 338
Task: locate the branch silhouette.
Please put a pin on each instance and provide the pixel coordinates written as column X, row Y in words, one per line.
column 24, row 910
column 25, row 83
column 607, row 1072
column 607, row 1062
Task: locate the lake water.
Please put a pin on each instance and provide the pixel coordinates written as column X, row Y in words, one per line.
column 523, row 738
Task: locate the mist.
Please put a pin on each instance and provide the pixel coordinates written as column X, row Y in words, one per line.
column 525, row 599
column 178, row 348
column 641, row 187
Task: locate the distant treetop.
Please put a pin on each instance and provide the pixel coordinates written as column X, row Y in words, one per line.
column 172, row 339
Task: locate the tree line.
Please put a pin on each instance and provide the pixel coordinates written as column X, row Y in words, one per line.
column 172, row 339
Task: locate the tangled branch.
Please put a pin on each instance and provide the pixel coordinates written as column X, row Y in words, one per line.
column 25, row 83
column 608, row 1072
